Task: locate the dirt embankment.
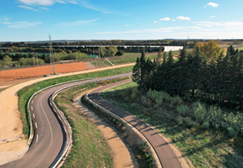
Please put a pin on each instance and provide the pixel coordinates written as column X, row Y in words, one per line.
column 40, row 71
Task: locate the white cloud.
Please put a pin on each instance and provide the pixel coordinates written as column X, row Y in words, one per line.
column 165, row 19
column 155, row 21
column 173, row 20
column 28, row 7
column 44, row 8
column 61, row 1
column 128, row 25
column 38, row 2
column 46, row 2
column 76, row 23
column 183, row 18
column 159, row 30
column 73, row 2
column 212, row 16
column 5, row 18
column 213, row 4
column 194, row 27
column 84, row 3
column 226, row 25
column 23, row 24
column 204, row 6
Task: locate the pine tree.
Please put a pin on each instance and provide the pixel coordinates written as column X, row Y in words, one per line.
column 136, row 72
column 164, row 59
column 142, row 67
column 196, row 71
column 182, row 56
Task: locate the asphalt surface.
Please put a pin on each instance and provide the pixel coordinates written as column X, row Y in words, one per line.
column 165, row 154
column 50, row 137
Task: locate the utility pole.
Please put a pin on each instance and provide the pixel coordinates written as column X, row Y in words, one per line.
column 99, row 52
column 33, row 58
column 52, row 63
column 36, row 58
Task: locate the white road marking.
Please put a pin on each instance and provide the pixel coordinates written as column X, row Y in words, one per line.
column 36, row 125
column 32, row 101
column 33, row 115
column 31, row 107
column 36, row 138
column 51, row 134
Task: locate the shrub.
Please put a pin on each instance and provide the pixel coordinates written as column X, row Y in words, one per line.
column 188, row 121
column 206, row 124
column 179, row 120
column 176, row 100
column 127, row 99
column 156, row 106
column 135, row 105
column 159, row 100
column 143, row 99
column 232, row 131
column 215, row 116
column 134, row 93
column 200, row 112
column 182, row 110
column 133, row 96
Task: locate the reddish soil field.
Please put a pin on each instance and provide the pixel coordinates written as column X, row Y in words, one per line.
column 40, row 71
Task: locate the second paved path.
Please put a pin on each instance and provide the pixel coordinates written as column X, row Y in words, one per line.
column 167, row 157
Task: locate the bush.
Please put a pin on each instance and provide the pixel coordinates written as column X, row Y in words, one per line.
column 119, row 53
column 200, row 112
column 179, row 120
column 206, row 124
column 182, row 110
column 232, row 132
column 176, row 100
column 188, row 121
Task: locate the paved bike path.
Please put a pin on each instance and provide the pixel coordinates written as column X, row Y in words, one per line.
column 167, row 157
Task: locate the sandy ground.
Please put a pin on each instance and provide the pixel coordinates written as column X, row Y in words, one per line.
column 10, row 122
column 122, row 154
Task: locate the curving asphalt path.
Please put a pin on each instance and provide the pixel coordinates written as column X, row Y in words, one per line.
column 50, row 137
column 167, row 157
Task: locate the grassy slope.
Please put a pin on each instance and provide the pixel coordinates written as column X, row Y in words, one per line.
column 89, row 148
column 25, row 93
column 204, row 148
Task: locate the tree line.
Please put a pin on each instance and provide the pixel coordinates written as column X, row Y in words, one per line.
column 195, row 76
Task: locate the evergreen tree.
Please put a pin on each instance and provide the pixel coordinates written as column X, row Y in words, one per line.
column 142, row 67
column 182, row 56
column 136, row 72
column 164, row 59
column 195, row 72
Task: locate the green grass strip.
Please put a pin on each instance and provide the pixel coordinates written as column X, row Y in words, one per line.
column 25, row 93
column 89, row 146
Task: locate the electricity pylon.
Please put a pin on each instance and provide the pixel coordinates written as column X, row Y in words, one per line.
column 52, row 62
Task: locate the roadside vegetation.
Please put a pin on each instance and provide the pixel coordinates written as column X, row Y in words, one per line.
column 89, row 146
column 190, row 102
column 201, row 141
column 25, row 93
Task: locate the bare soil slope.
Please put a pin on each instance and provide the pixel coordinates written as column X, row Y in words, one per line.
column 40, row 71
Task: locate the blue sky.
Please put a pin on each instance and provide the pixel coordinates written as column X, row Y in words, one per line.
column 32, row 20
